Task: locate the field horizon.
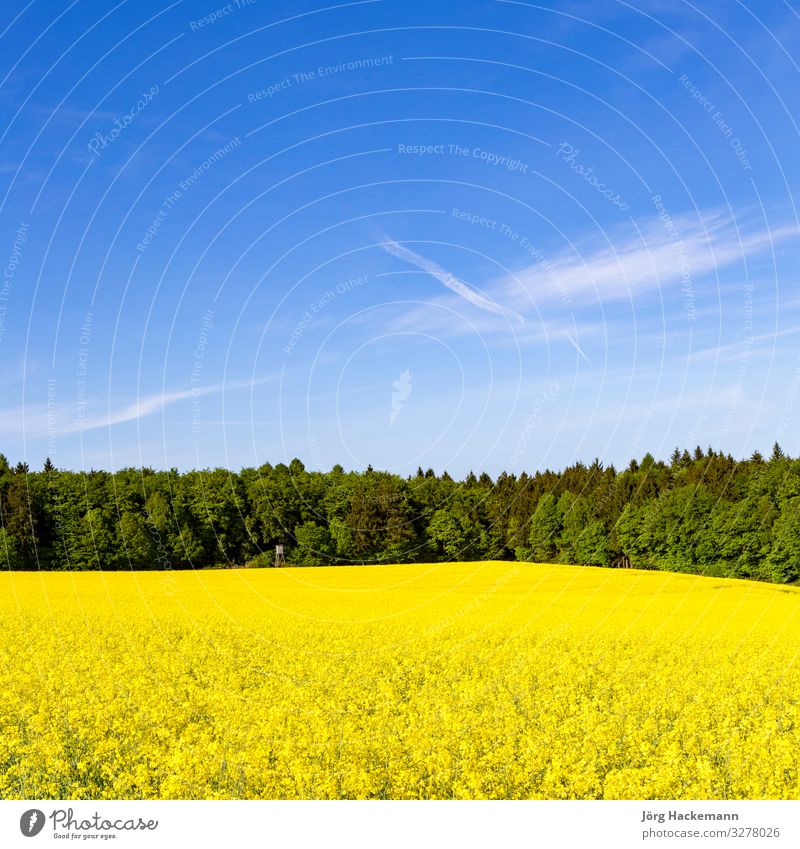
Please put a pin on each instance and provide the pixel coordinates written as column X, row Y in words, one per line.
column 313, row 568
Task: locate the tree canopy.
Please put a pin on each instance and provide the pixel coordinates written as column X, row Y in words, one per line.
column 701, row 512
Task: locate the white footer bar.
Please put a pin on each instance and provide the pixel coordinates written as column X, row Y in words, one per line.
column 400, row 825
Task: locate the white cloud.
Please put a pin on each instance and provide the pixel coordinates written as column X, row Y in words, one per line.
column 144, row 407
column 653, row 256
column 38, row 420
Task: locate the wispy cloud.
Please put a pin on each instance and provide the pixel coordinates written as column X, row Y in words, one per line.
column 651, row 255
column 463, row 290
column 62, row 419
column 745, row 348
column 144, row 407
column 655, row 254
column 441, row 318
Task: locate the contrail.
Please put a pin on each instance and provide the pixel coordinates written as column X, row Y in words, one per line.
column 577, row 346
column 451, row 281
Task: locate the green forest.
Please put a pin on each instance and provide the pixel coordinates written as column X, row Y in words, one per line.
column 702, row 512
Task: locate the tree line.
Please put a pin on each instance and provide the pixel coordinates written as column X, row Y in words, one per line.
column 701, row 512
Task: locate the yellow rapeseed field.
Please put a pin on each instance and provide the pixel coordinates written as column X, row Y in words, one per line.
column 473, row 680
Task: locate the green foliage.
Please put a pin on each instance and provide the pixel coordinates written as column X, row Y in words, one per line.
column 702, row 512
column 783, row 561
column 455, row 537
column 94, row 544
column 314, row 545
column 261, row 560
column 591, row 546
column 546, row 524
column 675, row 527
column 10, row 557
column 632, row 536
column 137, row 543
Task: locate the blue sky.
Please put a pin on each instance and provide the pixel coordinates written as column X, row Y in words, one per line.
column 485, row 236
